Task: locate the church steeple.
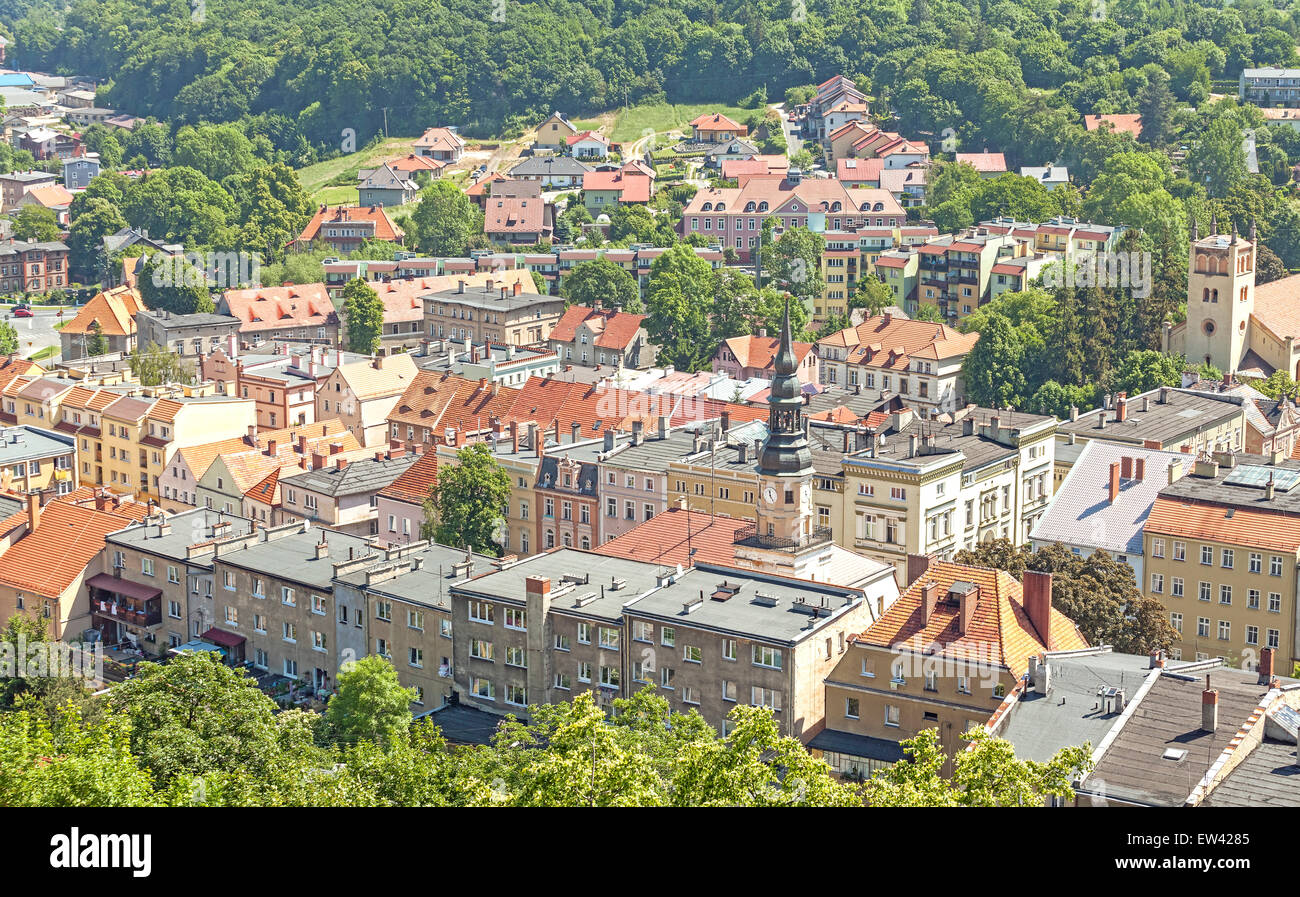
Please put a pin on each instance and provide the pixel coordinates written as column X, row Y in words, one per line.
column 786, row 452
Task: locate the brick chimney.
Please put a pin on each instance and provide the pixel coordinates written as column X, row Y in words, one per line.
column 1209, row 707
column 1121, row 407
column 33, row 511
column 917, row 564
column 1114, row 482
column 518, row 288
column 1266, row 666
column 966, row 610
column 929, row 598
column 1036, row 591
column 1126, row 468
column 1139, row 468
column 271, row 447
column 317, row 460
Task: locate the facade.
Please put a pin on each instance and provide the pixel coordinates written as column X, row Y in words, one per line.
column 33, row 267
column 189, row 336
column 15, row 184
column 743, row 357
column 111, row 314
column 1269, row 86
column 78, row 172
column 552, row 172
column 385, row 186
column 594, row 337
column 443, row 144
column 554, row 133
column 343, row 496
column 399, row 507
column 298, row 312
column 506, row 309
column 361, row 395
column 36, row 460
column 344, row 228
column 919, row 361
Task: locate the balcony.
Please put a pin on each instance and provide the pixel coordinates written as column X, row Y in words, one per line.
column 132, row 603
column 749, row 537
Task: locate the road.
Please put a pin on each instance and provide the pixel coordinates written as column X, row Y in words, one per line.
column 36, row 333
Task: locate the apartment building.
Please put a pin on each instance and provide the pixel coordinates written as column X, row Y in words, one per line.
column 15, row 184
column 362, row 393
column 1221, row 549
column 954, row 270
column 156, row 590
column 408, row 619
column 189, row 336
column 399, row 507
column 943, row 657
column 344, row 228
column 594, row 337
column 1269, row 86
column 282, row 382
column 110, row 314
column 343, row 495
column 36, row 460
column 507, row 309
column 899, row 269
column 274, row 600
column 1177, row 420
column 298, row 312
column 246, row 481
column 501, row 364
column 915, row 486
column 754, row 356
column 918, row 360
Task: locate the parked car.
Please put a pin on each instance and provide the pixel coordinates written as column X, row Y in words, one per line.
column 23, row 311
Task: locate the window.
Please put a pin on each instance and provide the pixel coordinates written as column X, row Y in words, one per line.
column 259, row 623
column 318, row 641
column 1252, row 599
column 891, row 715
column 414, row 619
column 561, row 642
column 289, row 632
column 1225, row 594
column 173, row 575
column 317, row 604
column 481, row 612
column 287, row 596
column 765, row 656
column 609, row 637
column 668, row 637
column 384, row 611
column 1252, row 635
column 765, row 697
column 1202, row 627
column 1176, row 586
column 1157, row 548
column 232, row 615
column 1207, row 555
column 1273, row 638
column 1157, row 583
column 516, row 656
column 666, row 677
column 1176, row 621
column 174, row 609
column 729, row 649
column 517, row 695
column 484, row 688
column 1256, row 562
column 1275, row 602
column 481, row 649
column 1180, row 551
column 1204, row 591
column 146, row 566
column 691, row 654
column 1226, row 558
column 516, row 619
column 1275, row 565
column 851, row 708
column 562, row 681
column 609, row 676
column 1225, row 630
column 584, row 671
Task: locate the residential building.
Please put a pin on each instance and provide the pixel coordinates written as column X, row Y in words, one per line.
column 554, row 133
column 552, row 172
column 37, row 460
column 743, row 357
column 33, row 267
column 518, row 220
column 343, row 495
column 156, row 589
column 919, row 360
column 385, row 186
column 282, row 385
column 400, row 505
column 1164, row 418
column 443, row 144
column 1104, row 501
column 594, row 337
column 603, row 190
column 298, row 312
column 506, row 309
column 944, row 656
column 362, row 393
column 831, row 93
column 716, row 128
column 189, row 336
column 1050, row 176
column 989, row 165
column 344, row 228
column 1221, row 549
column 15, row 184
column 1269, row 86
column 1272, row 425
column 1121, row 123
column 899, row 270
column 588, row 145
column 955, row 270
column 496, row 363
column 79, row 171
column 110, row 313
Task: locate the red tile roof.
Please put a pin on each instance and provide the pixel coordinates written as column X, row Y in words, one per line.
column 514, row 215
column 718, row 122
column 664, row 539
column 270, row 308
column 984, row 163
column 443, row 139
column 760, row 351
column 385, row 229
column 414, row 483
column 613, row 329
column 1123, row 123
column 48, row 560
column 632, row 185
column 1242, row 526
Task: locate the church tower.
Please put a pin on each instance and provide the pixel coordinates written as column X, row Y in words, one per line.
column 785, row 467
column 1220, row 299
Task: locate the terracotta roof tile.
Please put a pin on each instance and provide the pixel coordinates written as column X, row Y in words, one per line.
column 415, row 482
column 1245, row 526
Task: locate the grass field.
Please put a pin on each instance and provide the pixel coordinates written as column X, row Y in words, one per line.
column 44, row 353
column 314, row 178
column 632, row 122
column 337, row 196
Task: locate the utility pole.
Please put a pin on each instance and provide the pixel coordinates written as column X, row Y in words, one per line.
column 385, row 122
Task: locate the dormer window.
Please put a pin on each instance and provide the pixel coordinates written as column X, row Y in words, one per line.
column 707, row 207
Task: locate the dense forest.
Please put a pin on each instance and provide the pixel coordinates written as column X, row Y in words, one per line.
column 300, row 71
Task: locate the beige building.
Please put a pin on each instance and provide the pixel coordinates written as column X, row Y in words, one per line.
column 362, row 394
column 505, row 309
column 1221, row 549
column 344, row 495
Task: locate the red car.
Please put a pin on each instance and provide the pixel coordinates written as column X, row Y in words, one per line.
column 24, row 313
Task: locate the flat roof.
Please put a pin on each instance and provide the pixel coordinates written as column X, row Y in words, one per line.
column 18, row 444
column 293, row 556
column 183, row 530
column 426, row 584
column 1182, row 412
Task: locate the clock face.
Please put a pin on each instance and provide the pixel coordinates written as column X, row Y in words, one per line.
column 769, row 495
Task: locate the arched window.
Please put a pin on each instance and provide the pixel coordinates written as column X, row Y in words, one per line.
column 720, row 207
column 707, row 207
column 762, row 206
column 1214, row 295
column 878, row 207
column 835, row 206
column 1205, row 295
column 749, row 206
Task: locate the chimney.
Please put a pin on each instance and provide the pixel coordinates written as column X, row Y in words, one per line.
column 514, row 437
column 460, row 286
column 1209, row 707
column 966, row 612
column 270, row 448
column 929, row 598
column 608, row 444
column 1074, row 413
column 887, row 318
column 1266, row 666
column 726, row 420
column 636, row 432
column 340, row 463
column 1156, row 660
column 662, row 423
column 322, row 549
column 317, row 460
column 101, row 500
column 302, row 445
column 33, row 511
column 1126, row 468
column 1175, row 470
column 1121, row 409
column 336, row 447
column 917, row 564
column 1139, row 468
column 518, row 287
column 537, row 585
column 911, row 445
column 1114, row 482
column 575, row 428
column 1036, row 590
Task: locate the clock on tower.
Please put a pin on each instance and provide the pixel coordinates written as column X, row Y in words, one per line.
column 784, row 511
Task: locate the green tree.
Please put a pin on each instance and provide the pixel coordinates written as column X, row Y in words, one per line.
column 370, row 703
column 601, row 281
column 1146, row 369
column 678, row 299
column 873, row 296
column 180, row 204
column 1217, row 161
column 1156, row 105
column 36, row 223
column 98, row 219
column 8, row 338
column 180, row 289
column 272, row 209
column 1276, row 385
column 445, row 220
column 993, row 368
column 988, row 775
column 793, row 263
column 218, row 151
column 97, row 344
column 363, row 312
column 466, row 507
column 155, row 365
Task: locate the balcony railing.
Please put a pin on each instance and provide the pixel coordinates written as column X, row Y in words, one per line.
column 749, row 537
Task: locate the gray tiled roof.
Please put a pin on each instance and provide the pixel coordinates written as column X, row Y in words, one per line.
column 1080, row 512
column 356, row 478
column 1268, row 777
column 550, row 166
column 1182, row 413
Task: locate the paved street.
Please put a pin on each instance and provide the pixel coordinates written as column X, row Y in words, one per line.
column 36, row 333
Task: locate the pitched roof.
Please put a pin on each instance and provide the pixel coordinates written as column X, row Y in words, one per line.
column 1174, row 516
column 760, row 351
column 271, row 308
column 984, row 163
column 514, row 215
column 114, row 310
column 415, row 483
column 890, row 341
column 384, row 228
column 369, row 382
column 1276, row 307
column 632, row 185
column 810, row 194
column 14, row 366
column 198, row 458
column 671, row 537
column 1000, row 630
column 717, row 122
column 49, row 559
column 51, row 196
column 412, row 163
column 859, row 170
column 1122, row 123
column 587, row 135
column 440, row 139
column 613, row 329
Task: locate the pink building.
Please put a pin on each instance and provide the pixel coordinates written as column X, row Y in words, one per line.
column 743, row 357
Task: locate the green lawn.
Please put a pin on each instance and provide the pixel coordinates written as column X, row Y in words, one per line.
column 44, row 353
column 315, row 177
column 662, row 117
column 337, row 196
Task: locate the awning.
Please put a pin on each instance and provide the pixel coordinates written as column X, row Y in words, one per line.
column 223, row 638
column 110, row 583
column 865, row 746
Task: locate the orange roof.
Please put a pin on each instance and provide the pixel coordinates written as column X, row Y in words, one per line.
column 586, row 135
column 48, row 560
column 385, row 229
column 480, row 188
column 51, row 196
column 270, row 308
column 760, row 351
column 14, row 366
column 663, row 539
column 114, row 310
column 613, row 329
column 1276, row 307
column 984, row 163
column 632, row 185
column 718, row 122
column 890, row 342
column 369, row 382
column 265, row 491
column 198, row 458
column 1244, row 526
column 514, row 215
column 1000, row 631
column 442, row 400
column 412, row 163
column 1123, row 123
column 401, row 298
column 443, row 139
column 854, row 170
column 414, row 483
